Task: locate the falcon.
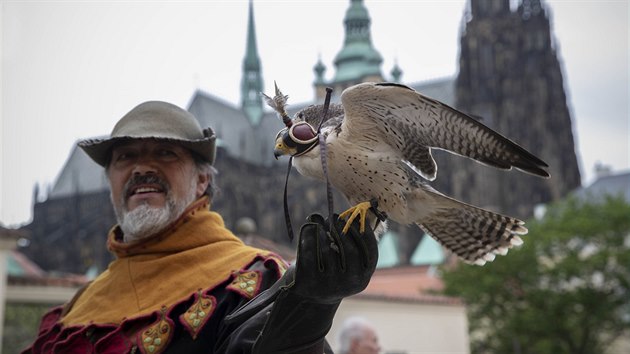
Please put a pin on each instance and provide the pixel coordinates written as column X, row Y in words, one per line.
column 378, row 153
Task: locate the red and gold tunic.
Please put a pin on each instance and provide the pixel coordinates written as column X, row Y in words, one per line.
column 165, row 294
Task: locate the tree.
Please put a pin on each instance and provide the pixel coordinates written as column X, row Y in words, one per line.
column 566, row 290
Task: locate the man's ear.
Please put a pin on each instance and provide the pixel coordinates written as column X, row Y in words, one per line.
column 203, row 180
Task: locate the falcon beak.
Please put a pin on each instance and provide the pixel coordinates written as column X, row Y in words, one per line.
column 280, row 149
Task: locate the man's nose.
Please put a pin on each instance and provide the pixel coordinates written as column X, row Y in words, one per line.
column 144, row 165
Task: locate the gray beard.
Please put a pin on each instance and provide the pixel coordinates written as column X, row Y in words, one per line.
column 145, row 221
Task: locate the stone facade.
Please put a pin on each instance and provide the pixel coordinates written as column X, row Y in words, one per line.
column 510, row 77
column 69, row 234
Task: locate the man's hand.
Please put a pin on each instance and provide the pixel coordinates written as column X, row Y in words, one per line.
column 298, row 310
column 331, row 265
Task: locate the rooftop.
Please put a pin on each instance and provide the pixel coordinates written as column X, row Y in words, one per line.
column 407, row 284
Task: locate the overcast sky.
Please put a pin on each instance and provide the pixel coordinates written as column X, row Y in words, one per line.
column 71, row 69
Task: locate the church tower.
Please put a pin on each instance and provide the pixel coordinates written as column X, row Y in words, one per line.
column 252, row 82
column 509, row 75
column 357, row 61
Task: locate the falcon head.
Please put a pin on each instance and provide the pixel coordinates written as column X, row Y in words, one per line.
column 295, row 140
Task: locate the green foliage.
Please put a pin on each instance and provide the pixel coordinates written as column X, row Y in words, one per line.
column 566, row 290
column 21, row 322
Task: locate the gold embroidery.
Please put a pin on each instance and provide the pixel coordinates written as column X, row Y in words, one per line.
column 154, row 339
column 198, row 313
column 246, row 283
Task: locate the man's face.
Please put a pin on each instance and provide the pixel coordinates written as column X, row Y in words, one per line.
column 367, row 344
column 151, row 176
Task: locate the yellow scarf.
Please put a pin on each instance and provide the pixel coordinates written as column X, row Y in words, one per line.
column 196, row 252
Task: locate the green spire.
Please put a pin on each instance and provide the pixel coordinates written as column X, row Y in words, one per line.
column 252, row 83
column 396, row 72
column 357, row 59
column 319, row 70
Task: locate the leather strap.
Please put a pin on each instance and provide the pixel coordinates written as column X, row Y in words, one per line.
column 323, row 154
column 322, row 150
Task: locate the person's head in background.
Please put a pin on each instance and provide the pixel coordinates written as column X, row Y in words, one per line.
column 358, row 336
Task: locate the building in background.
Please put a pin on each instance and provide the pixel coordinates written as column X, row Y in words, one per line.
column 509, row 75
column 407, row 321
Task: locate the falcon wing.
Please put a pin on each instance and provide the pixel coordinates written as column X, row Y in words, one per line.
column 313, row 115
column 413, row 124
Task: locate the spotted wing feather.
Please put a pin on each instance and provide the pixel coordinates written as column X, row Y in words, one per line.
column 413, row 124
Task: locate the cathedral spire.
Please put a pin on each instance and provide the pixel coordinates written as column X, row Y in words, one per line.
column 358, row 60
column 396, row 72
column 252, row 82
column 484, row 8
column 530, row 8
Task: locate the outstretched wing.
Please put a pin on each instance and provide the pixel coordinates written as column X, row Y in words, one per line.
column 413, row 124
column 313, row 115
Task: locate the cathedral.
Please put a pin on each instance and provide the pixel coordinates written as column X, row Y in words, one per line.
column 509, row 76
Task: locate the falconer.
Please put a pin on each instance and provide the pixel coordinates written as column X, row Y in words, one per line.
column 183, row 283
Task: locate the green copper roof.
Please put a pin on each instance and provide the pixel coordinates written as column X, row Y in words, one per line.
column 357, row 58
column 252, row 61
column 357, row 11
column 252, row 83
column 396, row 73
column 14, row 268
column 319, row 70
column 387, row 251
column 427, row 252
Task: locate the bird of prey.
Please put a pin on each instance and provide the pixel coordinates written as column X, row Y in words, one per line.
column 378, row 143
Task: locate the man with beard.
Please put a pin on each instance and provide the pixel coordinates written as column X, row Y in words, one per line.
column 181, row 282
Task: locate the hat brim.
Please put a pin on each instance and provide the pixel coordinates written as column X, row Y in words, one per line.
column 99, row 150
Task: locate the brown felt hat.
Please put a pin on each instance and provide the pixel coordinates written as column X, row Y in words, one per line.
column 155, row 120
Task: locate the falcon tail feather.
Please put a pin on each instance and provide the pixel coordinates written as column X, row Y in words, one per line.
column 475, row 235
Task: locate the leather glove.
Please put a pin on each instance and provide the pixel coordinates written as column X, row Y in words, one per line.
column 329, row 267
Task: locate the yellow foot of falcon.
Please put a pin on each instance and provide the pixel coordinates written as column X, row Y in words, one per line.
column 360, row 209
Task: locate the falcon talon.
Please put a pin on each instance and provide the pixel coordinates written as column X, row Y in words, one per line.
column 381, row 215
column 359, row 210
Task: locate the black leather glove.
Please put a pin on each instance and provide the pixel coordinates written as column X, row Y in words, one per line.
column 329, row 267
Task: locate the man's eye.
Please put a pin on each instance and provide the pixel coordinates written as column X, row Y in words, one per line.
column 166, row 153
column 124, row 156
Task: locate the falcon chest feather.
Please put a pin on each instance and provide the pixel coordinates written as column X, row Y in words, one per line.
column 386, row 179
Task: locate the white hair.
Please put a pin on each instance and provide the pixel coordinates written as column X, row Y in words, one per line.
column 351, row 329
column 145, row 220
column 206, row 168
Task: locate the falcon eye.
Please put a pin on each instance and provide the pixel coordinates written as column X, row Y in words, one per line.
column 302, row 132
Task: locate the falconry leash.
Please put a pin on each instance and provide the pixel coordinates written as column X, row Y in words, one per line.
column 322, row 147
